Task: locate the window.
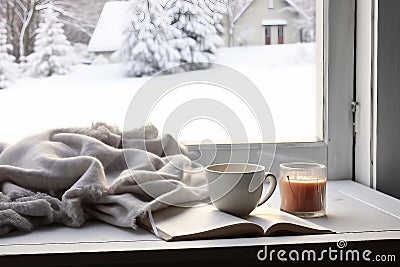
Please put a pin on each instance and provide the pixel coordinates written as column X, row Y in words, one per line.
column 274, row 29
column 97, row 88
column 267, row 35
column 254, row 60
column 280, row 34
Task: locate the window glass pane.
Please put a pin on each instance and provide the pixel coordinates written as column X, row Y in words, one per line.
column 89, row 81
column 267, row 35
column 280, row 34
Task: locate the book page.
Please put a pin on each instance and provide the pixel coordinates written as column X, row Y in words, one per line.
column 201, row 222
column 274, row 221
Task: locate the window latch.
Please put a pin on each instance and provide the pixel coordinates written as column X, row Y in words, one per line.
column 354, row 106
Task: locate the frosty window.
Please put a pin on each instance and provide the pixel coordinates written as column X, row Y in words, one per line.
column 71, row 63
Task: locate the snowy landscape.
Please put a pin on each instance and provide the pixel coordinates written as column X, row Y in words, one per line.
column 57, row 88
column 103, row 93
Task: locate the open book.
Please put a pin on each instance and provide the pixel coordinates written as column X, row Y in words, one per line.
column 206, row 222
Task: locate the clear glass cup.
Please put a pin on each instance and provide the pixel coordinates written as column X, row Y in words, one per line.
column 303, row 189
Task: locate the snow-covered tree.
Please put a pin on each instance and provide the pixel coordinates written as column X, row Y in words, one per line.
column 79, row 17
column 53, row 53
column 8, row 67
column 232, row 10
column 244, row 37
column 166, row 33
column 149, row 40
column 200, row 22
column 305, row 21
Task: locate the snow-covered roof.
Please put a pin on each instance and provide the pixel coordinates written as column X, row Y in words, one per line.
column 290, row 2
column 273, row 22
column 108, row 34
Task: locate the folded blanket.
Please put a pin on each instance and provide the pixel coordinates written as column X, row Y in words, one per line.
column 69, row 176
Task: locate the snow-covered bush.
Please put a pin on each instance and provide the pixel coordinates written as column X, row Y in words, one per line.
column 148, row 48
column 100, row 60
column 244, row 37
column 8, row 67
column 201, row 26
column 53, row 53
column 82, row 55
column 305, row 22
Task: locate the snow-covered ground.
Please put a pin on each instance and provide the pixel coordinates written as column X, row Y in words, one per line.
column 285, row 74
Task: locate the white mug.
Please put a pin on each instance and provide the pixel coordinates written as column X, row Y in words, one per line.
column 236, row 188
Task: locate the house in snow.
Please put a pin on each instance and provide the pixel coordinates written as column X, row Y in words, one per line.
column 108, row 35
column 265, row 22
column 259, row 22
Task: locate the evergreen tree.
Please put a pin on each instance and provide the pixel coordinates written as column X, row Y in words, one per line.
column 167, row 33
column 200, row 22
column 53, row 53
column 8, row 67
column 148, row 46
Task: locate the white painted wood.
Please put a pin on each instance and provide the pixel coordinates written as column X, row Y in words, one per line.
column 363, row 117
column 269, row 155
column 340, row 78
column 91, row 232
column 374, row 93
column 158, row 245
column 354, row 210
column 322, row 65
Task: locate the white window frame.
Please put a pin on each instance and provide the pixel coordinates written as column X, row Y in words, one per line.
column 365, row 120
column 375, row 80
column 339, row 88
column 336, row 149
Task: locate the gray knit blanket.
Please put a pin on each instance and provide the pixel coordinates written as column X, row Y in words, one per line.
column 69, row 176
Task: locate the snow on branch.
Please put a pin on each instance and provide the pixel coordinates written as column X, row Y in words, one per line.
column 8, row 67
column 168, row 33
column 53, row 53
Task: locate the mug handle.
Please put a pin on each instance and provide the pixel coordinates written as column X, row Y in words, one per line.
column 271, row 189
